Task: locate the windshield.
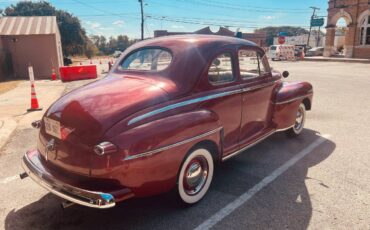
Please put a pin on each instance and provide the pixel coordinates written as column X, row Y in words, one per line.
column 149, row 59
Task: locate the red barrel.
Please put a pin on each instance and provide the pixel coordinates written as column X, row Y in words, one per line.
column 81, row 72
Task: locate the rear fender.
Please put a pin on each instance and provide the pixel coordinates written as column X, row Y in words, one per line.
column 158, row 134
column 151, row 154
column 167, row 131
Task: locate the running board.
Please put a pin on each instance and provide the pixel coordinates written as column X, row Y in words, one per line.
column 249, row 146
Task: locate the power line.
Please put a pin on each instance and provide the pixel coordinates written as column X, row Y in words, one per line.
column 239, row 8
column 257, row 7
column 196, row 22
column 214, row 20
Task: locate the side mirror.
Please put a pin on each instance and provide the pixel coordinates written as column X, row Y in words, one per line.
column 285, row 74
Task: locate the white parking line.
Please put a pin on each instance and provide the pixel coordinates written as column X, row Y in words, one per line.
column 9, row 179
column 225, row 211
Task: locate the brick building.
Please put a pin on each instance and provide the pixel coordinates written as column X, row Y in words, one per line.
column 258, row 38
column 356, row 13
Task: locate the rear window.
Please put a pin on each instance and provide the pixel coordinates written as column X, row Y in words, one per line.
column 149, row 59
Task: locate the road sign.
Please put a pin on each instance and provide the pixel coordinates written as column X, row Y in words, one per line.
column 283, row 34
column 317, row 22
column 281, row 40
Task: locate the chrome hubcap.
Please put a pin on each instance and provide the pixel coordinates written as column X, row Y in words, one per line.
column 195, row 175
column 299, row 119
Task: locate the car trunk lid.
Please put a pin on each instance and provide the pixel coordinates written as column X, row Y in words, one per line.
column 76, row 122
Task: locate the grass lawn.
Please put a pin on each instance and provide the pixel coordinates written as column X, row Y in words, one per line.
column 6, row 86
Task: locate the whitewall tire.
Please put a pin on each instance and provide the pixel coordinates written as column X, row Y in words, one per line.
column 195, row 176
column 299, row 122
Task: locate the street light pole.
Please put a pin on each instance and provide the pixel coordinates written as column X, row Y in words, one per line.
column 142, row 19
column 312, row 17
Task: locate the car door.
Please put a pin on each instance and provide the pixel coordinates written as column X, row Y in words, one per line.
column 222, row 85
column 257, row 86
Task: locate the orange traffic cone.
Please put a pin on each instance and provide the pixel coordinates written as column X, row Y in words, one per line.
column 100, row 61
column 53, row 75
column 34, row 102
column 80, row 63
column 90, row 62
column 302, row 55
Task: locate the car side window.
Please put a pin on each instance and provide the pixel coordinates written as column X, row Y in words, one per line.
column 251, row 65
column 221, row 69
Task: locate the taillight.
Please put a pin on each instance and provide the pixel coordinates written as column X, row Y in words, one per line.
column 105, row 148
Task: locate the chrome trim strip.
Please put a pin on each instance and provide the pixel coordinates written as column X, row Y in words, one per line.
column 183, row 103
column 152, row 152
column 196, row 100
column 284, row 129
column 294, row 99
column 96, row 199
column 248, row 146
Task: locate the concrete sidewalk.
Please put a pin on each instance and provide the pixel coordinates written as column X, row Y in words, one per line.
column 337, row 59
column 14, row 105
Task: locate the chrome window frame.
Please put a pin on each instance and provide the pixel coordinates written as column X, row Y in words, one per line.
column 121, row 69
column 260, row 60
column 232, row 69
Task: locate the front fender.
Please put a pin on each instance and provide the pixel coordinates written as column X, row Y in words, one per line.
column 287, row 100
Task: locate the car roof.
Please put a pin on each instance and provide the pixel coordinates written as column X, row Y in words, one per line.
column 195, row 51
column 196, row 39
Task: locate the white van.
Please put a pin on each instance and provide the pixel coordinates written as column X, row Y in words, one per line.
column 281, row 52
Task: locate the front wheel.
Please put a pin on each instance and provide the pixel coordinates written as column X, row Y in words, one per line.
column 299, row 122
column 195, row 176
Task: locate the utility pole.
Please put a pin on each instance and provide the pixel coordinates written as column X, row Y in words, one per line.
column 142, row 19
column 318, row 36
column 312, row 17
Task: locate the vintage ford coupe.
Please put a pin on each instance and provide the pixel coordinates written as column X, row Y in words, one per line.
column 168, row 111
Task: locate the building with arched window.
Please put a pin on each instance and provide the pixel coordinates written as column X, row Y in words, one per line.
column 356, row 14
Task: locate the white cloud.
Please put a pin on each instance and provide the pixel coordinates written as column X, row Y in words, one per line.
column 118, row 23
column 93, row 25
column 177, row 26
column 268, row 17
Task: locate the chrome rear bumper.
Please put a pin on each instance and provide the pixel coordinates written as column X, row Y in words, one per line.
column 33, row 167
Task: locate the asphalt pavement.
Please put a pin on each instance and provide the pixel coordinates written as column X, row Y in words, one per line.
column 320, row 180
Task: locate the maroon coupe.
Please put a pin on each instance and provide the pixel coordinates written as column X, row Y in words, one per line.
column 168, row 111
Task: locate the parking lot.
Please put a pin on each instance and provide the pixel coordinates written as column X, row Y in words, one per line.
column 320, row 180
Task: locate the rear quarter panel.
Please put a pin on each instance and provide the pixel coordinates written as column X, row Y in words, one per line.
column 156, row 173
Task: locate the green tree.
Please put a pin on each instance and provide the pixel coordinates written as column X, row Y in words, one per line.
column 73, row 36
column 273, row 31
column 90, row 49
column 100, row 42
column 106, row 46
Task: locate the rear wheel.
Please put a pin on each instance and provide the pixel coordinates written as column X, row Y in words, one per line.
column 195, row 176
column 299, row 122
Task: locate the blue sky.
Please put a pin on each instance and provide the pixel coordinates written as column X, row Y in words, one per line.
column 113, row 17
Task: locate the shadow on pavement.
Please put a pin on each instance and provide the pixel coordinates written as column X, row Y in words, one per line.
column 285, row 203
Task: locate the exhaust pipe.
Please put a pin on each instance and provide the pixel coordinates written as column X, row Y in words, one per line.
column 23, row 175
column 66, row 204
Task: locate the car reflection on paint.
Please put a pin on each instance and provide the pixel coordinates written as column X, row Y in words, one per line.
column 170, row 109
